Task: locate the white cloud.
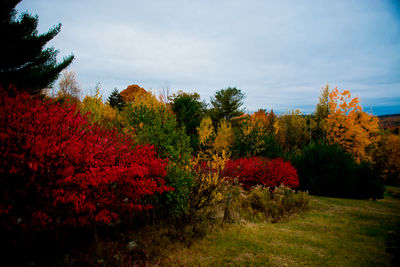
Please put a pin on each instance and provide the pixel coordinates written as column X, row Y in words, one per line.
column 278, row 53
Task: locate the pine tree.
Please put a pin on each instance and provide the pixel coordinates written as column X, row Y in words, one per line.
column 115, row 100
column 226, row 104
column 24, row 60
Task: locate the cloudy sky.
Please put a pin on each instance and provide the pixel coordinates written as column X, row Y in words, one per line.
column 279, row 53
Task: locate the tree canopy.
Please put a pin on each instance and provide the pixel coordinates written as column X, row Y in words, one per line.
column 25, row 62
column 349, row 126
column 69, row 85
column 226, row 104
column 189, row 111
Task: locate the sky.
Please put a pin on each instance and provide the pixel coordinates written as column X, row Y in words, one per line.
column 279, row 53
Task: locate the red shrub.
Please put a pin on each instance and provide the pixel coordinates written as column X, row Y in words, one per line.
column 281, row 172
column 57, row 169
column 259, row 171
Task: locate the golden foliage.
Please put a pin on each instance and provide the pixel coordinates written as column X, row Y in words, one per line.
column 208, row 180
column 291, row 130
column 132, row 92
column 137, row 96
column 224, row 137
column 205, row 131
column 98, row 112
column 349, row 126
column 254, row 129
column 254, row 133
column 260, row 116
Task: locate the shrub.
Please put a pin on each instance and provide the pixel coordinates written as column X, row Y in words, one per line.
column 260, row 171
column 56, row 169
column 260, row 204
column 329, row 171
column 207, row 189
column 367, row 182
column 156, row 125
column 174, row 204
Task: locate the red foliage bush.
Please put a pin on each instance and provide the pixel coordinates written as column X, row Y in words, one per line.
column 260, row 171
column 57, row 169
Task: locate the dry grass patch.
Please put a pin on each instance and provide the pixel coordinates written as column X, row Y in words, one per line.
column 334, row 232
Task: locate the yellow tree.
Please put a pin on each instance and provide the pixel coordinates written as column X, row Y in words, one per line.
column 137, row 96
column 224, row 137
column 98, row 112
column 205, row 131
column 291, row 131
column 349, row 126
column 253, row 132
column 132, row 92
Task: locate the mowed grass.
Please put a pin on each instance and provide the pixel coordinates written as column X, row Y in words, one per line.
column 333, row 232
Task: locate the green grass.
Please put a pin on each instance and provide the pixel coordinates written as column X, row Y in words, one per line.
column 333, row 232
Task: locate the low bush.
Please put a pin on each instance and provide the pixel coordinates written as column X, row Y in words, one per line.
column 208, row 183
column 329, row 171
column 261, row 171
column 174, row 204
column 263, row 204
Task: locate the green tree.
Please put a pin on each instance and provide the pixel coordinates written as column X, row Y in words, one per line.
column 189, row 111
column 25, row 62
column 321, row 113
column 115, row 100
column 157, row 126
column 291, row 130
column 253, row 136
column 226, row 104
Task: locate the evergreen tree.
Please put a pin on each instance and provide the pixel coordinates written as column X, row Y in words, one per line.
column 25, row 62
column 226, row 104
column 115, row 100
column 189, row 111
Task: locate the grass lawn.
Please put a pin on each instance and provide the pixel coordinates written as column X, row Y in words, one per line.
column 333, row 232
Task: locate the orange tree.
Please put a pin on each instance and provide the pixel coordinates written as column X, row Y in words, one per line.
column 350, row 127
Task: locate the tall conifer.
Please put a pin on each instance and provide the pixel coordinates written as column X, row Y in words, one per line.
column 24, row 60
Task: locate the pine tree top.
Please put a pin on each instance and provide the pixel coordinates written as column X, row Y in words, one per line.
column 25, row 61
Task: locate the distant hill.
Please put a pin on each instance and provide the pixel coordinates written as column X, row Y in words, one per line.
column 390, row 115
column 390, row 122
